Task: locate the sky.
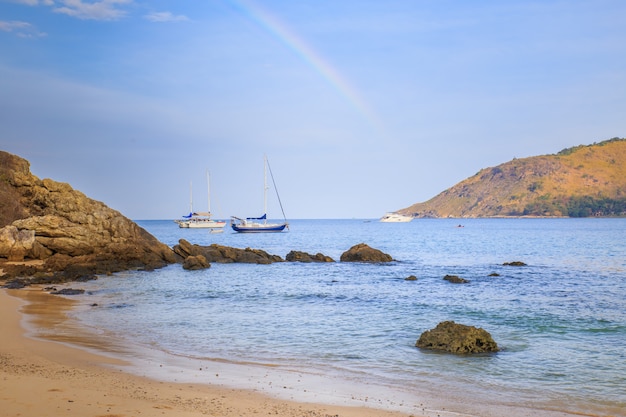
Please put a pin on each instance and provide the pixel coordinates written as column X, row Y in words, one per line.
column 361, row 106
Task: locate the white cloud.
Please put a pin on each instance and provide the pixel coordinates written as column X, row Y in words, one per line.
column 35, row 2
column 99, row 10
column 21, row 29
column 165, row 17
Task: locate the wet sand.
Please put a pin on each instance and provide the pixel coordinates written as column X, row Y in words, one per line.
column 48, row 378
column 68, row 371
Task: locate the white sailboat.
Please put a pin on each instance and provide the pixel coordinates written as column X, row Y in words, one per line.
column 260, row 224
column 200, row 219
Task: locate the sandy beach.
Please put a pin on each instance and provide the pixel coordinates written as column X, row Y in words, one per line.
column 47, row 378
column 67, row 371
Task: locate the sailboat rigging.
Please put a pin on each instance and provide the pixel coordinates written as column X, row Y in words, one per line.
column 200, row 219
column 254, row 224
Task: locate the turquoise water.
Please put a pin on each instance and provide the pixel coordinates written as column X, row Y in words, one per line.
column 560, row 321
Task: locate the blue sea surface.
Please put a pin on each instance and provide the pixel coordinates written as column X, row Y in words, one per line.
column 560, row 321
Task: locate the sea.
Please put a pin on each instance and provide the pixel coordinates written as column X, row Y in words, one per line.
column 345, row 333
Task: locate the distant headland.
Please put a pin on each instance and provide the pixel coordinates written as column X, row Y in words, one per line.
column 582, row 181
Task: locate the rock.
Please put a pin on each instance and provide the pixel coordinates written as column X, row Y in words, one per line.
column 494, row 274
column 451, row 337
column 196, row 262
column 363, row 253
column 51, row 222
column 15, row 284
column 68, row 291
column 16, row 244
column 514, row 263
column 411, row 278
column 225, row 254
column 297, row 256
column 455, row 279
column 75, row 272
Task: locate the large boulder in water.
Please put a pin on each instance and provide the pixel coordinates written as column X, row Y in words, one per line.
column 61, row 228
column 364, row 253
column 451, row 337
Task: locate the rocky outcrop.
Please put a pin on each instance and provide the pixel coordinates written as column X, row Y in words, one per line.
column 50, row 222
column 364, row 253
column 297, row 256
column 225, row 254
column 451, row 337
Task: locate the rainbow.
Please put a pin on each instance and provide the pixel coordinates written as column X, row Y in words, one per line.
column 282, row 33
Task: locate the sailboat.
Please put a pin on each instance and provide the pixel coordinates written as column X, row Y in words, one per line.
column 200, row 219
column 260, row 224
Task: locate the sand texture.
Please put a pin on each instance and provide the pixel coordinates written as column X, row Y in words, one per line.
column 45, row 378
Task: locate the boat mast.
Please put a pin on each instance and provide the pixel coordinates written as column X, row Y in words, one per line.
column 276, row 188
column 208, row 190
column 265, row 188
column 190, row 197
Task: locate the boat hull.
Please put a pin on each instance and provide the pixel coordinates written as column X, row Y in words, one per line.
column 258, row 228
column 201, row 224
column 395, row 218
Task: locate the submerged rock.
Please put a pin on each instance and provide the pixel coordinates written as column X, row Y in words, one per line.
column 364, row 253
column 514, row 263
column 455, row 279
column 451, row 337
column 68, row 291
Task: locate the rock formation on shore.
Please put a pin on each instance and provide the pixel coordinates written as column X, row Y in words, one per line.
column 69, row 234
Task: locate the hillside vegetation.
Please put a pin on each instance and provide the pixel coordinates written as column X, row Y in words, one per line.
column 581, row 181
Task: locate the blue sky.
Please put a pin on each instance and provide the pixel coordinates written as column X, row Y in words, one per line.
column 362, row 107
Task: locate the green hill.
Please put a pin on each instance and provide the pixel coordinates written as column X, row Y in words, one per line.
column 581, row 181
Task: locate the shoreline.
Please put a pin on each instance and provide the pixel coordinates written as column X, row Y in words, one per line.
column 42, row 348
column 40, row 377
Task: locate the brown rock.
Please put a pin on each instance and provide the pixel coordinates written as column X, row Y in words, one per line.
column 51, row 221
column 455, row 279
column 364, row 253
column 297, row 256
column 225, row 254
column 514, row 263
column 16, row 244
column 451, row 337
column 196, row 262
